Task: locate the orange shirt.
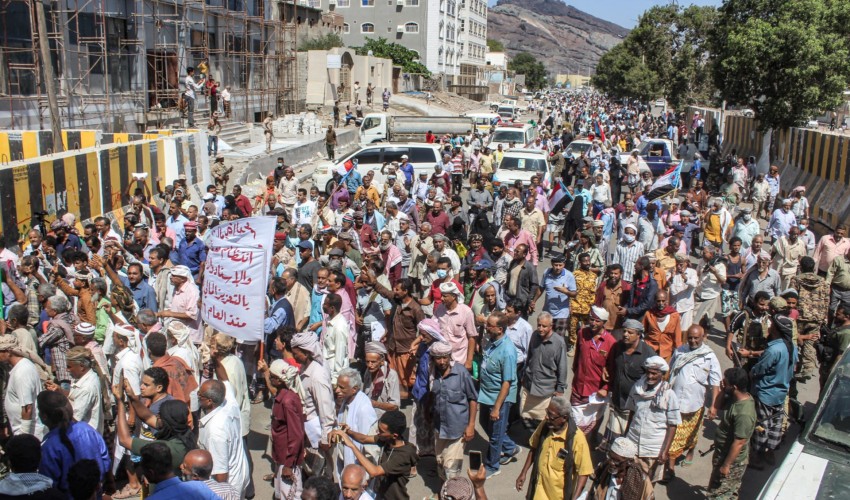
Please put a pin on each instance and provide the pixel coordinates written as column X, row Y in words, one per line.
column 665, row 340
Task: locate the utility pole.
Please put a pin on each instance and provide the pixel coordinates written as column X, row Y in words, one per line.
column 48, row 77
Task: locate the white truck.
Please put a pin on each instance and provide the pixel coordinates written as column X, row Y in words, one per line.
column 381, row 127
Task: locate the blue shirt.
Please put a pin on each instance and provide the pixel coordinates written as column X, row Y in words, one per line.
column 772, row 373
column 281, row 315
column 423, row 372
column 407, row 168
column 354, row 181
column 641, row 204
column 773, row 182
column 192, row 254
column 184, row 490
column 452, row 395
column 56, row 459
column 498, row 365
column 557, row 303
column 143, row 294
column 73, row 241
column 176, row 225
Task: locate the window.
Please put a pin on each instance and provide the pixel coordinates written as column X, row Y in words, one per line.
column 343, row 3
column 423, row 156
column 369, row 157
column 367, row 28
column 367, row 3
column 412, row 3
column 395, row 154
column 411, row 28
column 346, row 28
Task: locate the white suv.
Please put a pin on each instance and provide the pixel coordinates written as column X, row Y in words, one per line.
column 522, row 164
column 422, row 156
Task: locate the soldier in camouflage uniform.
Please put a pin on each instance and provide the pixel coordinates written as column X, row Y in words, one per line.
column 749, row 330
column 813, row 305
column 737, row 424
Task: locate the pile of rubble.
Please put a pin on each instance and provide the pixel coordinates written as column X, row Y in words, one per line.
column 305, row 123
column 454, row 102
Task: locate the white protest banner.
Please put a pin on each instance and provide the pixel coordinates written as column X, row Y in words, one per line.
column 249, row 232
column 236, row 277
column 234, row 291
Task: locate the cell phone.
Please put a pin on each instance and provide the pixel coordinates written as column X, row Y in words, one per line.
column 474, row 460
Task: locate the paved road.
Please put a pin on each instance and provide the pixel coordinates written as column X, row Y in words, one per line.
column 691, row 482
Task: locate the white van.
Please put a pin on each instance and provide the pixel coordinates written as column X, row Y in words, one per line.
column 521, row 134
column 483, row 121
column 421, row 155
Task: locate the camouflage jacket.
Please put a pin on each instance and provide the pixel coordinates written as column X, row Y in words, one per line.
column 814, row 297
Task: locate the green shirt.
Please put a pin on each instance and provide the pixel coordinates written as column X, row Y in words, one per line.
column 842, row 337
column 175, row 446
column 738, row 422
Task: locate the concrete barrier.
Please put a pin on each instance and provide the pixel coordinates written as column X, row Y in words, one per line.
column 93, row 181
column 265, row 165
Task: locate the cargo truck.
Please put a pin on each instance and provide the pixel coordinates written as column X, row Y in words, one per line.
column 381, row 127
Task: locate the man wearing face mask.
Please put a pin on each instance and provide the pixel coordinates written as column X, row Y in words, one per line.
column 628, row 251
column 716, row 223
column 746, row 228
column 444, row 275
column 781, row 221
column 807, row 236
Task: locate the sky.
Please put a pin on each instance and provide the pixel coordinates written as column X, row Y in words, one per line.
column 624, row 12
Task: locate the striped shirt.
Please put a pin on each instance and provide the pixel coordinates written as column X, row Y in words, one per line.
column 626, row 255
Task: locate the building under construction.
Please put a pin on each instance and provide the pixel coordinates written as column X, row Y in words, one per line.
column 119, row 65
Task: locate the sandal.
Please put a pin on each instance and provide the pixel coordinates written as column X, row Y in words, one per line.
column 268, row 477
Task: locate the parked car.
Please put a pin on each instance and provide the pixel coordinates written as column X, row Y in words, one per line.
column 522, row 164
column 660, row 155
column 818, row 463
column 372, row 157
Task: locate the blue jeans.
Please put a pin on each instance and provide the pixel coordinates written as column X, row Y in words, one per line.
column 500, row 443
column 212, row 145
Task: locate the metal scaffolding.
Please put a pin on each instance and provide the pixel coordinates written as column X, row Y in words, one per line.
column 113, row 57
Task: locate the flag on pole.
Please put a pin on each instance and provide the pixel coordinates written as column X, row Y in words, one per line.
column 667, row 182
column 559, row 197
column 344, row 167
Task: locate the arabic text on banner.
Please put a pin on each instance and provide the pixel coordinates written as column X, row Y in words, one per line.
column 234, row 299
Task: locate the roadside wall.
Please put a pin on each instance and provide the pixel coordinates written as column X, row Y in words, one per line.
column 261, row 167
column 91, row 182
column 818, row 160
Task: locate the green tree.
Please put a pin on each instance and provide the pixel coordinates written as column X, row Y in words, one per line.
column 400, row 55
column 669, row 48
column 495, row 45
column 528, row 65
column 786, row 59
column 326, row 42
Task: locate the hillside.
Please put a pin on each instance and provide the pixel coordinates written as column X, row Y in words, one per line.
column 564, row 38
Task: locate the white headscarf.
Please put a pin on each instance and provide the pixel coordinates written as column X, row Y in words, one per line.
column 129, row 333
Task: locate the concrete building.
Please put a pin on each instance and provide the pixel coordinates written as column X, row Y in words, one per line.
column 429, row 27
column 327, row 71
column 572, row 81
column 473, row 46
column 499, row 79
column 119, row 64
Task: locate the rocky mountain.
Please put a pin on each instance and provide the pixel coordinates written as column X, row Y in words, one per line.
column 563, row 37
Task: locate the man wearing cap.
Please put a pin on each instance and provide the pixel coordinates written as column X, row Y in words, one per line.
column 655, row 416
column 220, row 173
column 781, row 221
column 407, row 169
column 22, row 388
column 559, row 454
column 745, row 227
column 455, row 407
column 559, row 285
column 627, row 216
column 184, row 302
column 593, row 347
column 457, row 323
column 628, row 251
column 625, row 367
column 622, row 474
column 191, row 251
column 813, row 307
column 88, row 389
